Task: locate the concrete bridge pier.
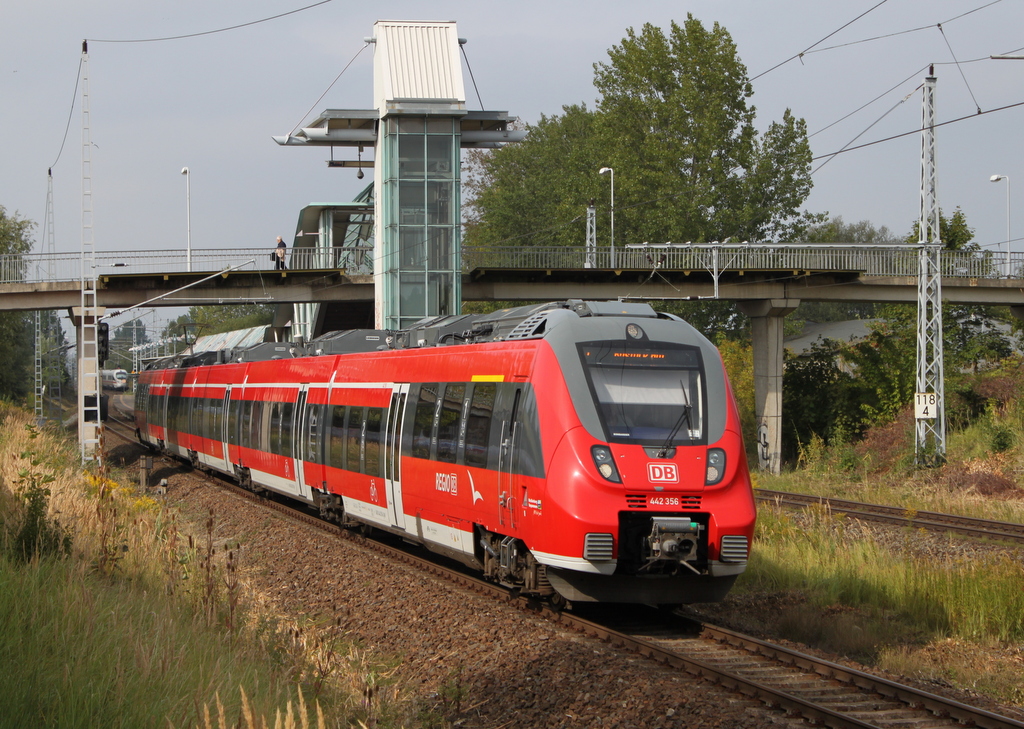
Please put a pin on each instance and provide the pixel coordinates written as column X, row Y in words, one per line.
column 766, row 317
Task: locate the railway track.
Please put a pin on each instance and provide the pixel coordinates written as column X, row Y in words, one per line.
column 799, row 686
column 898, row 516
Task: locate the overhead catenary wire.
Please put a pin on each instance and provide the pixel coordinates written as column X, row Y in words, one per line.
column 71, row 113
column 868, row 128
column 801, row 53
column 899, row 32
column 959, row 68
column 209, row 32
column 918, row 131
column 329, row 87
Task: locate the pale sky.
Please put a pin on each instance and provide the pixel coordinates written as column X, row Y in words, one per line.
column 212, row 102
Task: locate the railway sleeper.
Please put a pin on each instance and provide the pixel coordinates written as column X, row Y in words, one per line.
column 507, row 561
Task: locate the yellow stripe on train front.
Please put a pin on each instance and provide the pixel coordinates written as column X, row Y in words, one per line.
column 488, row 378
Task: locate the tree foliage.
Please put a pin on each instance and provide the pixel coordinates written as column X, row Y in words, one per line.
column 837, row 231
column 674, row 122
column 837, row 390
column 205, row 320
column 16, row 328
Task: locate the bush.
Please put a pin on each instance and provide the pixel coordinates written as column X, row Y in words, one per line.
column 38, row 534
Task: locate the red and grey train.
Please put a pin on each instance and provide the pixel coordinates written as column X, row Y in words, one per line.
column 586, row 451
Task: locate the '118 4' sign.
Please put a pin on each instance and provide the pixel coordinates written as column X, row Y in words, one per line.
column 925, row 405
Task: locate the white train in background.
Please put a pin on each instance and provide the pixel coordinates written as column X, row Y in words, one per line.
column 114, row 380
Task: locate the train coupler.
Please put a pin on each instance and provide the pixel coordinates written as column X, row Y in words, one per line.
column 672, row 543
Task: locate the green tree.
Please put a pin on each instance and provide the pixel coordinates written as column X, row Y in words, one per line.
column 972, row 335
column 16, row 328
column 819, row 398
column 673, row 121
column 535, row 192
column 838, row 232
column 217, row 319
column 886, row 362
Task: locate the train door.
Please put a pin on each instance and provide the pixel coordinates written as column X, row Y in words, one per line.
column 300, row 441
column 506, row 461
column 225, row 421
column 393, row 454
column 312, row 445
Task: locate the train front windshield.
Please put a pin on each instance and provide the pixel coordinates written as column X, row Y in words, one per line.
column 647, row 395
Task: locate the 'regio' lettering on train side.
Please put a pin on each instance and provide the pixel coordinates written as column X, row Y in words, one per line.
column 447, row 483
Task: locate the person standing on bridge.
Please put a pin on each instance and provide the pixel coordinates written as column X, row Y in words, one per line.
column 279, row 254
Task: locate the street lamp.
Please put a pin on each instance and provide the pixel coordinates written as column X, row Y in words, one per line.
column 601, row 172
column 188, row 216
column 997, row 178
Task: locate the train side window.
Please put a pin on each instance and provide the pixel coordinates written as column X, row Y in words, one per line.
column 241, row 433
column 195, row 415
column 336, row 440
column 374, row 416
column 167, row 415
column 478, row 424
column 423, row 425
column 212, row 418
column 172, row 413
column 153, row 409
column 274, row 427
column 448, row 422
column 176, row 419
column 233, row 408
column 203, row 418
column 256, row 424
column 354, row 438
column 529, row 455
column 244, row 419
column 287, row 409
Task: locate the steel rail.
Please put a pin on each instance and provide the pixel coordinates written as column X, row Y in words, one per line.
column 901, row 516
column 913, row 697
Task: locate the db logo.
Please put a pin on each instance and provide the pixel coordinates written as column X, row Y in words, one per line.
column 663, row 472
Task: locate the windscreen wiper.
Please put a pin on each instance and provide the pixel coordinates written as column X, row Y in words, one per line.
column 683, row 417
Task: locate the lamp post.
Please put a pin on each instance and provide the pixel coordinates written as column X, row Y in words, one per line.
column 188, row 217
column 997, row 178
column 612, row 175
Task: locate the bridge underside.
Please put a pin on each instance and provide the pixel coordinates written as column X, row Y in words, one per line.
column 493, row 284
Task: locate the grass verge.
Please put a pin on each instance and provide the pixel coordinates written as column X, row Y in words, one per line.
column 111, row 615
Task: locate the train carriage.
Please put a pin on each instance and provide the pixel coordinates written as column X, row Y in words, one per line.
column 586, row 450
column 114, row 379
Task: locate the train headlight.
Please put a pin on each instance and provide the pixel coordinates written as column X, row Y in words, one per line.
column 716, row 466
column 602, row 456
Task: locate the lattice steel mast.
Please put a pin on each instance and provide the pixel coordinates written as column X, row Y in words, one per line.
column 90, row 425
column 48, row 373
column 930, row 443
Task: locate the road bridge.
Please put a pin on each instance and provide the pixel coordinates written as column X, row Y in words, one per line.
column 767, row 281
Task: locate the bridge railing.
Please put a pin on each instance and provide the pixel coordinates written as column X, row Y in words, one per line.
column 868, row 260
column 33, row 267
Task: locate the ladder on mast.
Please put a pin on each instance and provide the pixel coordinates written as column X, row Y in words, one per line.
column 90, row 424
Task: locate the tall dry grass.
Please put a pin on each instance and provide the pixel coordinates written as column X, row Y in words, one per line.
column 134, row 621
